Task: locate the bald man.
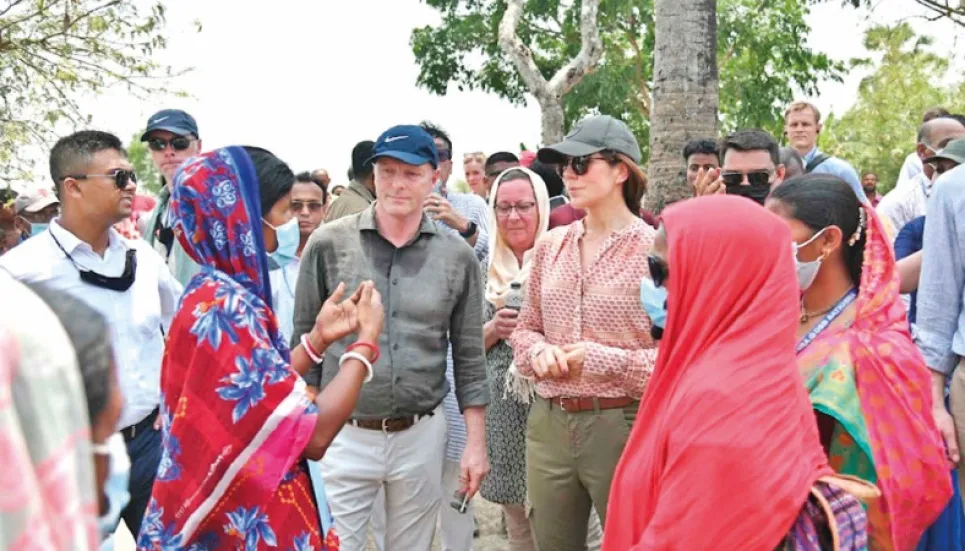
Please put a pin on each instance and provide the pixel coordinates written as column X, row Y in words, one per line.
column 906, row 203
column 912, row 165
column 321, row 175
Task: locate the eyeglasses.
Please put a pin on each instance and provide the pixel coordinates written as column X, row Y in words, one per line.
column 120, row 176
column 478, row 157
column 313, row 206
column 445, row 155
column 756, row 178
column 658, row 270
column 521, row 209
column 179, row 143
column 581, row 165
column 120, row 283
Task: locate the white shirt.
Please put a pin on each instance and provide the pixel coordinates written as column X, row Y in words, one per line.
column 283, row 297
column 904, row 205
column 910, row 169
column 135, row 316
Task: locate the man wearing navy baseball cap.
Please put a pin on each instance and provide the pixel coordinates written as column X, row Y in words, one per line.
column 172, row 136
column 431, row 284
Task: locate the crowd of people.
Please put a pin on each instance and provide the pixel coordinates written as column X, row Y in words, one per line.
column 262, row 359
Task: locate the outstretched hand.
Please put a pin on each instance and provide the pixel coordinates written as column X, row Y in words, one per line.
column 338, row 318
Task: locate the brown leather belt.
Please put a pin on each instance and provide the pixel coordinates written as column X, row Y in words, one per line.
column 396, row 424
column 576, row 405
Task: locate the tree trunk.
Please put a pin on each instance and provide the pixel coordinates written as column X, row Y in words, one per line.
column 552, row 121
column 549, row 93
column 685, row 92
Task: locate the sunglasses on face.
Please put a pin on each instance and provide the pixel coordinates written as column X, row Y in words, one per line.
column 160, row 144
column 120, row 176
column 756, row 178
column 313, row 206
column 658, row 270
column 503, row 210
column 581, row 165
column 445, row 155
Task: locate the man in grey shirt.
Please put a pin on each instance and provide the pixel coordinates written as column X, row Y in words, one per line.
column 941, row 317
column 432, row 290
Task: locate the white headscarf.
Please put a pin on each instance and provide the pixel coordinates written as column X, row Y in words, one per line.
column 504, row 268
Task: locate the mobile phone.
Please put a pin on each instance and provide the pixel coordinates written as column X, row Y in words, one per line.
column 460, row 501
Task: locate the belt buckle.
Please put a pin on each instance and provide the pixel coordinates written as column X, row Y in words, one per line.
column 385, row 426
column 561, row 399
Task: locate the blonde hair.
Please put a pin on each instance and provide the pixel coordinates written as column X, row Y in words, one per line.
column 475, row 157
column 802, row 106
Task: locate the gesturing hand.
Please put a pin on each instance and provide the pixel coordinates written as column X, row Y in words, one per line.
column 338, row 317
column 709, row 183
column 440, row 209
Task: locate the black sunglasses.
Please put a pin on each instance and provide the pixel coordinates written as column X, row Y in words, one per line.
column 120, row 176
column 120, row 283
column 756, row 178
column 581, row 165
column 160, row 144
column 658, row 270
column 445, row 155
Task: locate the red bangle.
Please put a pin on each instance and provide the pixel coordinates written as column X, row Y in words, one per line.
column 374, row 348
column 310, row 350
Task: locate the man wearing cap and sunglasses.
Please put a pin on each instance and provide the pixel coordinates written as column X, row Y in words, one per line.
column 431, row 285
column 80, row 253
column 172, row 137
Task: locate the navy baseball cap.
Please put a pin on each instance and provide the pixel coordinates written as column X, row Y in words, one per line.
column 410, row 144
column 174, row 121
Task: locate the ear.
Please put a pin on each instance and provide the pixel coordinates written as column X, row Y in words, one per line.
column 200, row 146
column 623, row 173
column 71, row 188
column 831, row 241
column 819, row 127
column 779, row 173
column 922, row 151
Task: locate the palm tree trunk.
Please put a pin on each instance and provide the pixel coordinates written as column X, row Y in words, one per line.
column 685, row 92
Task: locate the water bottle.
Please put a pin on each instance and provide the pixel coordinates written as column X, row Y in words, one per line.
column 514, row 299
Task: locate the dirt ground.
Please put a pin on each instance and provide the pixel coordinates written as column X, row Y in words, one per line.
column 491, row 537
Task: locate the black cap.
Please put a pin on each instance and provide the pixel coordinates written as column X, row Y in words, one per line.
column 174, row 121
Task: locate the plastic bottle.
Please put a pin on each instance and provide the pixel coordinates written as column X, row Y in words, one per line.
column 514, row 299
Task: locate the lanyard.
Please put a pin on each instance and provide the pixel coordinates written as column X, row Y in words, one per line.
column 825, row 322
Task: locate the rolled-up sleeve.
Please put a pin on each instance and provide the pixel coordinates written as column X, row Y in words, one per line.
column 940, row 289
column 631, row 369
column 466, row 336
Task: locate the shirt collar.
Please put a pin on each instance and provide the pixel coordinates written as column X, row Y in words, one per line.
column 367, row 222
column 360, row 190
column 71, row 242
column 811, row 154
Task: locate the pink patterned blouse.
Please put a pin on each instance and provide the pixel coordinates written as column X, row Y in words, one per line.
column 600, row 308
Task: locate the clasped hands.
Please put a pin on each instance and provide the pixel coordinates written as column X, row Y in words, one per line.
column 560, row 362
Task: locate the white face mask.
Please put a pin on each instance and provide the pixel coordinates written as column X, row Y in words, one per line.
column 806, row 271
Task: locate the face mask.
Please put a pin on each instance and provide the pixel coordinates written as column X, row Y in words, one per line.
column 756, row 193
column 36, row 228
column 654, row 300
column 288, row 238
column 806, row 271
column 116, row 485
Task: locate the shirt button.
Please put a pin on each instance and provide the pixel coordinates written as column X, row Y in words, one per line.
column 395, row 346
column 394, row 314
column 395, row 281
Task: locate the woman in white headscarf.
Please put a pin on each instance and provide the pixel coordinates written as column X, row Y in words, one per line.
column 519, row 210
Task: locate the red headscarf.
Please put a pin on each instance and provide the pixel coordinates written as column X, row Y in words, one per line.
column 725, row 448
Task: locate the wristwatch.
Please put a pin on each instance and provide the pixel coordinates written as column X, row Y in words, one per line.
column 470, row 231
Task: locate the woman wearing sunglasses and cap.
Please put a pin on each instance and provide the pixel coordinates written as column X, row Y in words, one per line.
column 580, row 335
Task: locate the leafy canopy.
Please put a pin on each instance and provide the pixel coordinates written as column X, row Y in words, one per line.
column 762, row 55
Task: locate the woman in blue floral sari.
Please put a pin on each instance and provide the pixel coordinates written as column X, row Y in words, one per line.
column 238, row 421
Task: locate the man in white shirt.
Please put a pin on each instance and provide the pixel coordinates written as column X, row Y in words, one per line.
column 126, row 281
column 904, row 205
column 912, row 166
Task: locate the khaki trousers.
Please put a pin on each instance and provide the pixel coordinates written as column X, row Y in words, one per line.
column 570, row 460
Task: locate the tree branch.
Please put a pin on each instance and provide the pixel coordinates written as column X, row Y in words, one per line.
column 591, row 50
column 521, row 55
column 642, row 99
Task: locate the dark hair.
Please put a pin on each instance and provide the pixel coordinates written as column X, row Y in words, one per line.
column 793, row 163
column 437, row 133
column 72, row 154
column 307, row 178
column 702, row 146
column 635, row 186
column 90, row 336
column 554, row 183
column 500, row 157
column 822, row 200
column 275, row 178
column 361, row 165
column 934, row 113
column 750, row 140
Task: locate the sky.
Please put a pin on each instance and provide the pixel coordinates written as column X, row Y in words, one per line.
column 307, row 80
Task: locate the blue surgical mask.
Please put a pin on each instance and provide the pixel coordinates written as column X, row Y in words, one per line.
column 288, row 238
column 654, row 300
column 116, row 485
column 37, row 228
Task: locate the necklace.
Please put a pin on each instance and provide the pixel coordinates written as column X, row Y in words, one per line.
column 807, row 316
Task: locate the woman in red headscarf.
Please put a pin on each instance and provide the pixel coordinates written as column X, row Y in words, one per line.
column 726, row 455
